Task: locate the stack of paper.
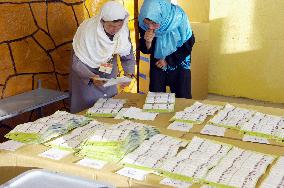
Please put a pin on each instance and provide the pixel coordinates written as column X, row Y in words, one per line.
column 214, row 130
column 146, row 131
column 255, row 139
column 106, row 107
column 115, row 81
column 239, row 168
column 153, row 152
column 159, row 102
column 195, row 161
column 276, row 175
column 46, row 128
column 113, row 143
column 73, row 140
column 180, row 126
column 201, row 108
column 197, row 113
column 135, row 113
column 266, row 126
column 110, row 144
column 232, row 117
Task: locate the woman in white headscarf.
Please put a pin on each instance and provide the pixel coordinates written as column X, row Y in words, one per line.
column 96, row 45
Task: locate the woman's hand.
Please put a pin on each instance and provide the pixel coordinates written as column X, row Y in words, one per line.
column 161, row 63
column 148, row 37
column 97, row 82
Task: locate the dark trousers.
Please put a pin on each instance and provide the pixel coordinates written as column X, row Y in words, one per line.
column 179, row 81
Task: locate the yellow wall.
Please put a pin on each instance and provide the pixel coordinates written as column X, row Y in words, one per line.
column 197, row 10
column 198, row 13
column 246, row 52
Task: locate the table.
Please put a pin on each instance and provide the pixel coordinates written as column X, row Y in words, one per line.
column 27, row 156
column 38, row 98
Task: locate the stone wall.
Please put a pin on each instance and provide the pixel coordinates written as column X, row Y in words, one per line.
column 36, row 43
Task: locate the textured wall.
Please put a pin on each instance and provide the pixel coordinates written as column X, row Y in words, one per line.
column 35, row 43
column 246, row 52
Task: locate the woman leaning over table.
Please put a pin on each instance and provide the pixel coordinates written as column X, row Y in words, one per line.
column 166, row 35
column 96, row 45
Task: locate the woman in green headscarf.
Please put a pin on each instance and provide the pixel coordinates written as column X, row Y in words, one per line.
column 166, row 34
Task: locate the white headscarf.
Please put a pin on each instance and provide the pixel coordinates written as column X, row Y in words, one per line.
column 91, row 44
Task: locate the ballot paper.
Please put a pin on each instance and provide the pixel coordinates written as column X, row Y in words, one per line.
column 92, row 163
column 153, row 152
column 196, row 113
column 159, row 102
column 72, row 140
column 232, row 117
column 146, row 131
column 136, row 113
column 276, row 175
column 159, row 107
column 160, row 98
column 196, row 160
column 113, row 143
column 106, row 107
column 55, row 154
column 255, row 139
column 213, row 130
column 180, row 126
column 11, row 145
column 266, row 126
column 188, row 117
column 46, row 128
column 133, row 173
column 239, row 168
column 175, row 183
column 200, row 108
column 115, row 81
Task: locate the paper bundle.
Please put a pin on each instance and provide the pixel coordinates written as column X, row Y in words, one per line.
column 159, row 102
column 72, row 140
column 47, row 128
column 153, row 152
column 266, row 126
column 239, row 168
column 135, row 113
column 106, row 107
column 197, row 113
column 195, row 161
column 112, row 144
column 276, row 175
column 146, row 131
column 232, row 117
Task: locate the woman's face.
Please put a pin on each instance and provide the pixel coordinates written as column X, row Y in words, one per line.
column 112, row 27
column 150, row 24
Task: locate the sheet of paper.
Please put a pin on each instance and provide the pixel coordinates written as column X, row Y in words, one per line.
column 180, row 126
column 116, row 81
column 55, row 154
column 175, row 183
column 92, row 163
column 214, row 130
column 120, row 114
column 137, row 113
column 255, row 139
column 11, row 145
column 230, row 170
column 276, row 175
column 133, row 173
